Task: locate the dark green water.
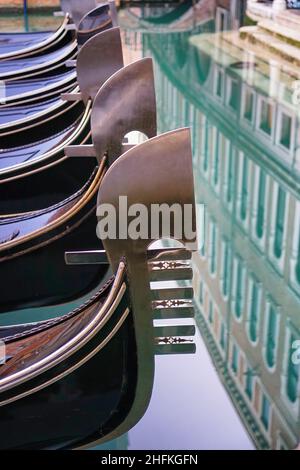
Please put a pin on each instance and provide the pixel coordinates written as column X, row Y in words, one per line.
column 242, row 387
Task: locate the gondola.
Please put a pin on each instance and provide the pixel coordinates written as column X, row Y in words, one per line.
column 98, row 19
column 26, row 161
column 17, row 45
column 32, row 44
column 54, row 208
column 25, row 107
column 46, row 65
column 91, row 22
column 38, row 134
column 57, row 371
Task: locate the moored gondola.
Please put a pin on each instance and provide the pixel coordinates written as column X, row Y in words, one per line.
column 49, row 207
column 30, row 97
column 32, row 44
column 90, row 73
column 32, row 79
column 98, row 19
column 36, row 91
column 30, row 168
column 46, row 65
column 32, row 249
column 57, row 371
column 37, row 133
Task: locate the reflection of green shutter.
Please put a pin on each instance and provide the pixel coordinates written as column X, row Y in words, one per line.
column 219, row 84
column 234, row 96
column 254, row 313
column 286, row 131
column 239, row 290
column 249, row 106
column 292, row 373
column 201, row 292
column 271, row 337
column 279, row 225
column 261, row 205
column 265, row 412
column 244, row 196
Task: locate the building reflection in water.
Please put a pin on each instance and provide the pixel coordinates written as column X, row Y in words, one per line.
column 246, row 140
